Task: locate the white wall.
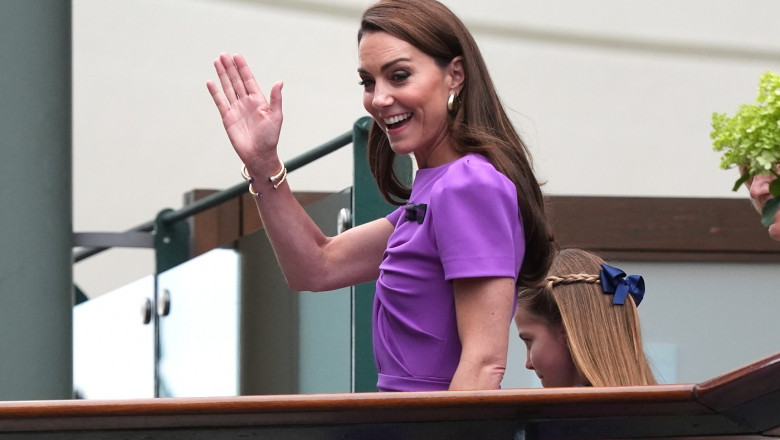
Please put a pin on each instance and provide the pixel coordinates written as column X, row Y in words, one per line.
column 614, row 97
column 146, row 130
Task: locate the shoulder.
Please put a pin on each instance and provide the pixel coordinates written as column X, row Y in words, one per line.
column 473, row 173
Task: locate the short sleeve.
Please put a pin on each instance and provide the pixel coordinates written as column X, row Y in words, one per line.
column 394, row 216
column 476, row 222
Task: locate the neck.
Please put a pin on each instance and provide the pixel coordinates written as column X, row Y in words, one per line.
column 442, row 153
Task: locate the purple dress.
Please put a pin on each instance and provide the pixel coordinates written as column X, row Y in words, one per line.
column 470, row 228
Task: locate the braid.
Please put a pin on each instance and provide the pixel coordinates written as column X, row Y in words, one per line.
column 553, row 281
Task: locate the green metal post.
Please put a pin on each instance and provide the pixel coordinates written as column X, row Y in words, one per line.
column 36, row 278
column 171, row 241
column 171, row 248
column 368, row 204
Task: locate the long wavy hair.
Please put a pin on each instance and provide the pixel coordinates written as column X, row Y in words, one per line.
column 605, row 339
column 479, row 126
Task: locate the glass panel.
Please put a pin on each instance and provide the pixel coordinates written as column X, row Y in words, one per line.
column 324, row 341
column 293, row 342
column 113, row 350
column 324, row 319
column 709, row 318
column 198, row 337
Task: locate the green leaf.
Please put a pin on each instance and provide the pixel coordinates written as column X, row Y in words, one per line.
column 774, row 187
column 742, row 179
column 768, row 213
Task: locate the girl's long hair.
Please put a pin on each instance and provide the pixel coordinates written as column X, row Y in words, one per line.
column 605, row 339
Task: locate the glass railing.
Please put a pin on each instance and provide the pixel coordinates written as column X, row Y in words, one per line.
column 225, row 323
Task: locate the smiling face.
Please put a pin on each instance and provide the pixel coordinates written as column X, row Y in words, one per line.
column 406, row 93
column 547, row 352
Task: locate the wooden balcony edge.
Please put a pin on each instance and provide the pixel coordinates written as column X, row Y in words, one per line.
column 511, row 405
column 740, row 403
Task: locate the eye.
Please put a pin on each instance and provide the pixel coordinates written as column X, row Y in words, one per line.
column 400, row 75
column 366, row 82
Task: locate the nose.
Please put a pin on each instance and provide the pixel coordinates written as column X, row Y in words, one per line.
column 759, row 187
column 382, row 97
column 528, row 364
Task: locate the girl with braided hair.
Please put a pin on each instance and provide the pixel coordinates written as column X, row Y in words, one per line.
column 581, row 328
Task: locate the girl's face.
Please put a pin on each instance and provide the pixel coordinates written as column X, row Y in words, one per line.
column 547, row 351
column 406, row 93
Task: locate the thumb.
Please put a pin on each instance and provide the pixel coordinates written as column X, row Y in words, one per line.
column 275, row 101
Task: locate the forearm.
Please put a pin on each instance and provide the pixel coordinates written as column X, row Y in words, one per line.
column 309, row 259
column 297, row 241
column 478, row 374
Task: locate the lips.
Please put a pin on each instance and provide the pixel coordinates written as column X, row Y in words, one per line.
column 396, row 120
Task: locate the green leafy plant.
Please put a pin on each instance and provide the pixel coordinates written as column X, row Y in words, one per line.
column 750, row 140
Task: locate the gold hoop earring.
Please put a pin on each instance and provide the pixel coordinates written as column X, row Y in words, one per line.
column 453, row 104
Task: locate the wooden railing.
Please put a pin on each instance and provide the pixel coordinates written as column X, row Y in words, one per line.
column 743, row 403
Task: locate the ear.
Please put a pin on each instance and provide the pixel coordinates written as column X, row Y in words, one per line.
column 563, row 338
column 457, row 74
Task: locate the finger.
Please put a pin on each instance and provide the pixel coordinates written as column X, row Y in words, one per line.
column 219, row 99
column 232, row 73
column 276, row 98
column 224, row 80
column 250, row 84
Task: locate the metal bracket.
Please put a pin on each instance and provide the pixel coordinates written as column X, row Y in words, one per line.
column 171, row 242
column 113, row 239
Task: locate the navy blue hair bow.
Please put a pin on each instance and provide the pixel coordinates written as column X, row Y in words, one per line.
column 415, row 213
column 614, row 280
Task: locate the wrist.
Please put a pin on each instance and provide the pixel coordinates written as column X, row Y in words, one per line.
column 274, row 180
column 263, row 166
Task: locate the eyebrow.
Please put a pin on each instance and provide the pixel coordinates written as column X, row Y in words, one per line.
column 386, row 65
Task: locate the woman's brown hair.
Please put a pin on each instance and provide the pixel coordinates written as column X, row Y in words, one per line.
column 479, row 126
column 605, row 339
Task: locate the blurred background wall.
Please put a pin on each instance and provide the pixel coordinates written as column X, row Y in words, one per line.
column 614, row 97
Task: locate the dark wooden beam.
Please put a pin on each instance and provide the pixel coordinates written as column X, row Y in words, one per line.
column 617, row 228
column 662, row 229
column 225, row 223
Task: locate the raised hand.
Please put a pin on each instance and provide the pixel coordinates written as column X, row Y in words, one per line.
column 252, row 123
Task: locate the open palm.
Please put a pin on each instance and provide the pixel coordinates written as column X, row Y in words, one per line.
column 252, row 122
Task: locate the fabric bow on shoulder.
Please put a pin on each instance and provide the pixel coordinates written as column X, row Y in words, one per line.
column 614, row 280
column 415, row 213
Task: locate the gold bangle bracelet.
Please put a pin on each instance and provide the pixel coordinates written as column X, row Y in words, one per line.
column 281, row 173
column 251, row 180
column 277, row 179
column 252, row 190
column 282, row 179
